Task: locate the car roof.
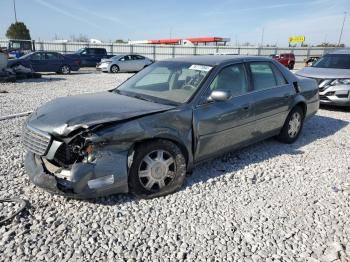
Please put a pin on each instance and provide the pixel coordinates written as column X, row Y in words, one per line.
column 213, row 60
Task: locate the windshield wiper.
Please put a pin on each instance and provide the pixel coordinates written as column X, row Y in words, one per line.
column 142, row 98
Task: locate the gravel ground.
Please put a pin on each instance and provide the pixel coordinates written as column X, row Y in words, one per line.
column 267, row 202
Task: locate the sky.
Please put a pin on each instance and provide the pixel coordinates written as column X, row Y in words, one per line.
column 241, row 20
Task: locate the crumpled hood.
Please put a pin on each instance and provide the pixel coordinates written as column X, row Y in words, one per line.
column 324, row 73
column 64, row 115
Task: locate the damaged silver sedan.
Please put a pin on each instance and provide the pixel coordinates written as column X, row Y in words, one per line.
column 145, row 135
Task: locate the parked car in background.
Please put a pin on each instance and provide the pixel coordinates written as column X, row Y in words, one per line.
column 310, row 60
column 89, row 56
column 124, row 63
column 286, row 59
column 332, row 73
column 41, row 61
column 145, row 135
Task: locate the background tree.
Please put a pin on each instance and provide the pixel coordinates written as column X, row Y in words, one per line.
column 121, row 41
column 18, row 30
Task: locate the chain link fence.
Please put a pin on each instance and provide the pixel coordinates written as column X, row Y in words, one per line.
column 159, row 52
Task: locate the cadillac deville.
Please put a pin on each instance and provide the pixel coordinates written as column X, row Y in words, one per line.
column 144, row 136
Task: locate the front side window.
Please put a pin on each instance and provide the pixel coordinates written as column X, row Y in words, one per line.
column 333, row 61
column 37, row 56
column 172, row 81
column 262, row 75
column 231, row 79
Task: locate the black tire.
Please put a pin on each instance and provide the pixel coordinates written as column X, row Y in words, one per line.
column 114, row 69
column 289, row 133
column 291, row 66
column 65, row 70
column 177, row 170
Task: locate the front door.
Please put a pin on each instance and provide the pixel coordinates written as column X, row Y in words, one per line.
column 37, row 62
column 126, row 63
column 226, row 124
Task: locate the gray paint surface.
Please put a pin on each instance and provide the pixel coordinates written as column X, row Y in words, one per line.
column 115, row 123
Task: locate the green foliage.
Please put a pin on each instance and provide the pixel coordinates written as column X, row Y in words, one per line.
column 18, row 30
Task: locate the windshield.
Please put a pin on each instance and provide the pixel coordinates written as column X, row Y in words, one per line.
column 27, row 55
column 79, row 51
column 168, row 80
column 333, row 61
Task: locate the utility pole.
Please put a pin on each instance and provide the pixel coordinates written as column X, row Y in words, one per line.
column 262, row 36
column 342, row 27
column 14, row 8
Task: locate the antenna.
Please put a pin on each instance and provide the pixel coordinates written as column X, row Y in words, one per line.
column 14, row 9
column 342, row 27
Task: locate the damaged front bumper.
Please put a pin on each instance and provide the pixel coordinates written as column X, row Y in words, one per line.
column 107, row 175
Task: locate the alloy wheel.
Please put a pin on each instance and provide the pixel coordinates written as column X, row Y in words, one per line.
column 65, row 69
column 294, row 124
column 157, row 170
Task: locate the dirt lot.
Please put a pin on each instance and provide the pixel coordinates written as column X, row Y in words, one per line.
column 267, row 202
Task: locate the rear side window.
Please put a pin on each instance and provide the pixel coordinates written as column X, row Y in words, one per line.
column 38, row 56
column 52, row 56
column 264, row 76
column 280, row 79
column 100, row 51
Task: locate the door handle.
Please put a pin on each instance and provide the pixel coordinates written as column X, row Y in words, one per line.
column 245, row 107
column 287, row 96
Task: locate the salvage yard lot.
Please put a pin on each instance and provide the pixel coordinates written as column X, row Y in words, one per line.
column 270, row 200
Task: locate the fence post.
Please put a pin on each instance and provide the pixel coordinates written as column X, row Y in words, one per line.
column 173, row 51
column 217, row 49
column 259, row 51
column 131, row 49
column 276, row 49
column 65, row 48
column 154, row 53
column 41, row 46
column 308, row 52
column 239, row 50
column 195, row 50
column 111, row 49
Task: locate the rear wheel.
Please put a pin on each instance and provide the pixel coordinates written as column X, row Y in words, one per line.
column 114, row 69
column 65, row 69
column 158, row 168
column 292, row 126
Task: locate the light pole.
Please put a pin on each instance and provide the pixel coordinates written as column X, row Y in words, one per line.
column 342, row 27
column 262, row 37
column 14, row 8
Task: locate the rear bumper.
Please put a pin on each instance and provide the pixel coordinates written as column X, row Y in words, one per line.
column 79, row 185
column 74, row 68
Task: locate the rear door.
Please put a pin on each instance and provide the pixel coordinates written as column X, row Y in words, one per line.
column 273, row 96
column 227, row 124
column 53, row 62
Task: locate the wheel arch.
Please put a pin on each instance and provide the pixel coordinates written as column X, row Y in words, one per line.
column 176, row 141
column 302, row 105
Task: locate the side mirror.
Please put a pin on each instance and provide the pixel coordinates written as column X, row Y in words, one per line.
column 217, row 95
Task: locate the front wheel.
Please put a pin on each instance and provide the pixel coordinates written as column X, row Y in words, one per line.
column 292, row 126
column 291, row 66
column 114, row 69
column 158, row 168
